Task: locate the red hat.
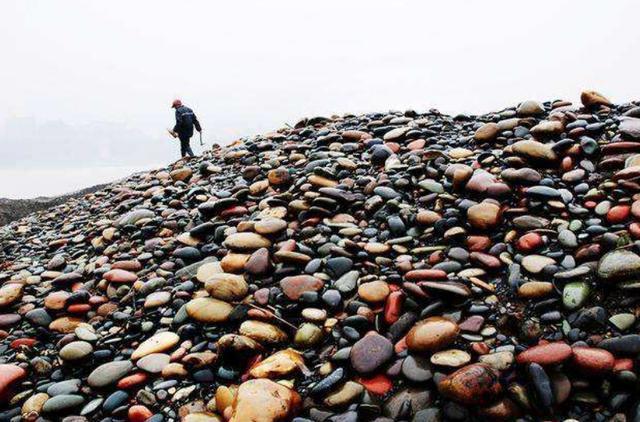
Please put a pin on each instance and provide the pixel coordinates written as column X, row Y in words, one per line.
column 176, row 103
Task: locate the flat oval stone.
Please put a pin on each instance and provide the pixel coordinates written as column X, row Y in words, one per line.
column 70, row 386
column 62, row 403
column 157, row 343
column 208, row 310
column 484, row 215
column 374, row 291
column 246, row 241
column 270, row 226
column 227, row 287
column 264, row 400
column 474, row 384
column 432, row 334
column 536, row 263
column 10, row 293
column 262, row 332
column 120, row 276
column 294, row 286
column 545, row 354
column 370, row 352
column 206, row 270
column 154, row 362
column 626, row 345
column 454, row 358
column 65, row 325
column 76, row 350
column 157, row 299
column 619, row 265
column 593, row 360
column 346, row 394
column 134, row 216
column 109, row 373
column 535, row 289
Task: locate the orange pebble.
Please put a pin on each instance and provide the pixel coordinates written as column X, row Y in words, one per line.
column 139, row 413
column 79, row 308
column 393, row 307
column 378, row 384
column 618, row 214
column 26, row 342
column 529, row 242
column 133, row 380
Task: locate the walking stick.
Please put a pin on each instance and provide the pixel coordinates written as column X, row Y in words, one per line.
column 201, row 144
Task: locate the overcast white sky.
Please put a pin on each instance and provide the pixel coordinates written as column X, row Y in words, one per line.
column 89, row 83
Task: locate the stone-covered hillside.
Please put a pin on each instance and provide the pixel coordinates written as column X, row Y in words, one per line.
column 401, row 266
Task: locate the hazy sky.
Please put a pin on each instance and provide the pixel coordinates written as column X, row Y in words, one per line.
column 89, row 83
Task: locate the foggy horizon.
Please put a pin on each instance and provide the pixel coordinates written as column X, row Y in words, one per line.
column 89, row 86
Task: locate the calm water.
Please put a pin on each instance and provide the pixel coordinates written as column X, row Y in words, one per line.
column 29, row 183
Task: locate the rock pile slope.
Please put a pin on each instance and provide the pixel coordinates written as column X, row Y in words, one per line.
column 390, row 266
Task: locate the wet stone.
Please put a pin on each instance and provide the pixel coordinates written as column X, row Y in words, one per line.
column 61, row 403
column 370, row 352
column 109, row 373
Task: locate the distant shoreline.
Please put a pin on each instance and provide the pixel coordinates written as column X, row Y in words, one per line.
column 45, row 183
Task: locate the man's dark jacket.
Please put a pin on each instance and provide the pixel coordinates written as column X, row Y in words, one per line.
column 185, row 121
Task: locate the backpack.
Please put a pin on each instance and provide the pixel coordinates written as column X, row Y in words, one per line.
column 185, row 117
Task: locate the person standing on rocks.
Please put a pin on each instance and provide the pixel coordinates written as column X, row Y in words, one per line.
column 183, row 129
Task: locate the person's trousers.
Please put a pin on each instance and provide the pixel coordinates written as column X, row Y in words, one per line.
column 185, row 148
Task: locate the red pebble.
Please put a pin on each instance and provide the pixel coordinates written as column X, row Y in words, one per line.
column 485, row 260
column 634, row 229
column 9, row 376
column 436, row 257
column 26, row 342
column 259, row 314
column 418, row 144
column 618, row 214
column 79, row 308
column 593, row 360
column 133, row 380
column 379, row 384
column 234, row 211
column 529, row 242
column 417, row 275
column 139, row 413
column 545, row 354
column 393, row 307
column 120, row 276
column 478, row 243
